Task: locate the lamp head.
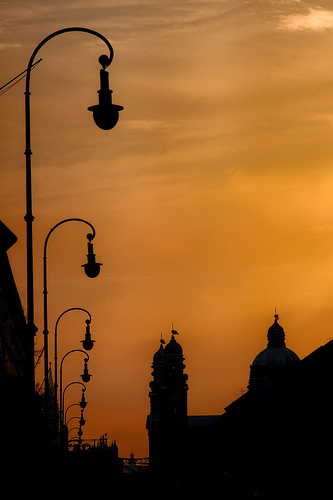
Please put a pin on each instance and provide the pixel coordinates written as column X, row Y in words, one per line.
column 82, row 421
column 83, row 402
column 86, row 375
column 105, row 113
column 106, row 117
column 91, row 268
column 87, row 343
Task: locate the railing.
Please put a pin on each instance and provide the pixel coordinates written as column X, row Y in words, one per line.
column 137, row 462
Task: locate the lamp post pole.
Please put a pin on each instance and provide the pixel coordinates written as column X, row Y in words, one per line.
column 106, row 116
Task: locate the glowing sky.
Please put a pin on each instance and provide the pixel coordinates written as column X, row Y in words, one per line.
column 211, row 199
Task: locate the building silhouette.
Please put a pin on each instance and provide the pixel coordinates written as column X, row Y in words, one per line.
column 278, row 435
column 167, row 420
column 21, row 426
column 13, row 328
column 272, row 442
column 178, row 443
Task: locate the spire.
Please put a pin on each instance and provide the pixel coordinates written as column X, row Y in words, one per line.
column 160, row 353
column 275, row 334
column 276, row 316
column 173, row 347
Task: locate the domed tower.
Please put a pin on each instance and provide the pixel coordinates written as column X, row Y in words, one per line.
column 273, row 361
column 167, row 420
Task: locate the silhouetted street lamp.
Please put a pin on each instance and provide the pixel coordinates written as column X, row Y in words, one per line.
column 70, row 430
column 78, row 439
column 63, row 427
column 83, row 402
column 105, row 116
column 82, row 421
column 85, row 377
column 105, row 113
column 80, row 433
column 68, row 407
column 92, row 268
column 87, row 343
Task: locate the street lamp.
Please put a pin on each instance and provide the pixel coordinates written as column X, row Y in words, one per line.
column 91, row 267
column 105, row 113
column 83, row 402
column 87, row 343
column 106, row 116
column 84, row 378
column 86, row 375
column 82, row 421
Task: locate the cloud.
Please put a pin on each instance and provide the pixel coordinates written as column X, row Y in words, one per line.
column 149, row 125
column 8, row 46
column 315, row 20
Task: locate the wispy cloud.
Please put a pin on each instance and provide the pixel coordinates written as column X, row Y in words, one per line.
column 317, row 19
column 149, row 125
column 7, row 46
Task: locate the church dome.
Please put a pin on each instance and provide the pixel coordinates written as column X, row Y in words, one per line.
column 173, row 347
column 159, row 355
column 275, row 356
column 273, row 360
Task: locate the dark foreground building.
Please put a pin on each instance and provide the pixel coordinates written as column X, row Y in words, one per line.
column 20, row 410
column 273, row 442
column 180, row 446
column 29, row 465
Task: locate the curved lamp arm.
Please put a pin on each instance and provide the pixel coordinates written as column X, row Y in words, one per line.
column 68, row 407
column 60, row 32
column 62, row 399
column 72, row 418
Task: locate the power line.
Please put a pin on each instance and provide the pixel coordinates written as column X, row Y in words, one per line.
column 9, row 85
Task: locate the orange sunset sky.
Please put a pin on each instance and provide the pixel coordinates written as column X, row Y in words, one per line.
column 211, row 198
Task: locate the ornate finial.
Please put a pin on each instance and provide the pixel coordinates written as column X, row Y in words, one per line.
column 174, row 332
column 276, row 316
column 275, row 334
column 162, row 341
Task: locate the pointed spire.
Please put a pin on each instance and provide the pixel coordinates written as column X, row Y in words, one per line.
column 276, row 316
column 275, row 334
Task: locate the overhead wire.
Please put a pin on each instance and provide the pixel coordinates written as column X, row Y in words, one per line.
column 9, row 85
